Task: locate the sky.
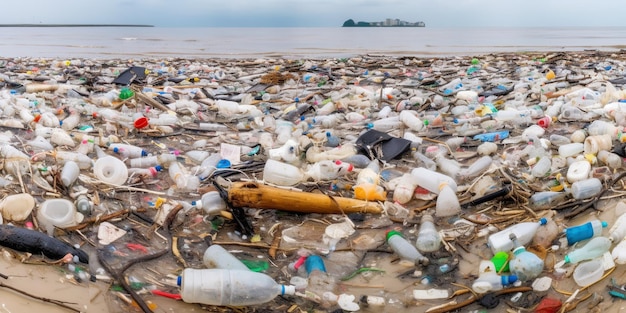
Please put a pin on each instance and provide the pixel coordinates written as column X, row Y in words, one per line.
column 318, row 13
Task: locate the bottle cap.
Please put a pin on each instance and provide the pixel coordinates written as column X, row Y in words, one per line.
column 144, row 153
column 507, row 280
column 392, row 233
column 223, row 163
column 500, row 261
column 314, row 262
column 141, row 122
column 179, row 280
column 605, row 224
column 116, row 150
column 543, row 221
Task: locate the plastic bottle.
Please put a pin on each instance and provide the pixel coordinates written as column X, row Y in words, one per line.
column 619, row 252
column 69, row 173
column 431, row 180
column 525, row 265
column 610, row 159
column 617, row 232
column 547, row 199
column 493, row 136
column 111, row 170
column 211, row 203
column 282, row 174
column 405, row 189
column 129, row 151
column 428, row 238
column 524, row 233
column 595, row 144
column 571, row 149
column 367, row 181
column 410, row 120
column 83, row 205
column 84, row 162
column 288, row 152
column 149, row 172
column 447, row 202
column 386, row 124
column 478, row 167
column 183, row 180
column 546, row 236
column 543, row 167
column 596, row 247
column 229, row 287
column 213, row 127
column 153, row 160
column 585, row 189
column 404, row 249
column 208, row 166
column 491, row 281
column 215, row 256
column 59, row 213
column 585, row 231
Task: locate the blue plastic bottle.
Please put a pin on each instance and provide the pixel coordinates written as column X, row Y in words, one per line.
column 494, row 136
column 585, row 231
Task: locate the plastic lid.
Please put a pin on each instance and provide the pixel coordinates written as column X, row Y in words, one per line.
column 223, row 163
column 158, row 168
column 141, row 122
column 543, row 221
column 392, row 233
column 507, row 280
column 288, row 290
column 116, row 150
column 605, row 224
column 500, row 260
column 144, row 153
column 179, row 281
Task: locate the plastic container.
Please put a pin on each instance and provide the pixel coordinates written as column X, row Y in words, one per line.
column 588, row 273
column 543, row 167
column 595, row 144
column 586, row 189
column 492, row 137
column 211, row 203
column 229, row 287
column 153, row 160
column 478, row 167
column 490, row 281
column 546, row 199
column 58, row 212
column 110, row 169
column 619, row 252
column 546, row 236
column 83, row 205
column 403, row 248
column 600, row 127
column 410, row 120
column 183, row 180
column 428, row 238
column 578, row 171
column 17, row 207
column 525, row 265
column 328, row 170
column 282, row 174
column 610, row 159
column 524, row 232
column 215, row 256
column 585, row 231
column 69, row 173
column 596, row 247
column 288, row 152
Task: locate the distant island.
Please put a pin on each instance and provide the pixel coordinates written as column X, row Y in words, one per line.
column 390, row 22
column 74, row 25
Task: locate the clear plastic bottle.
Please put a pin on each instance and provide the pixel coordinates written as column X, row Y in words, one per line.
column 229, row 287
column 282, row 174
column 478, row 167
column 428, row 238
column 69, row 173
column 163, row 159
column 596, row 247
column 524, row 233
column 547, row 199
column 585, row 231
column 586, row 189
column 403, row 248
column 447, row 202
column 320, row 282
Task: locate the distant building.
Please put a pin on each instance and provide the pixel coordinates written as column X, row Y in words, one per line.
column 389, row 22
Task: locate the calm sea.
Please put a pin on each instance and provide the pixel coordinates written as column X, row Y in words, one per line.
column 129, row 42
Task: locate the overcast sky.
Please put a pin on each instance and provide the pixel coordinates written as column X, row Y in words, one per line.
column 318, row 13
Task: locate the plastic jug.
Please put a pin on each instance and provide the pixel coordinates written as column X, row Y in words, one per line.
column 491, row 281
column 211, row 203
column 585, row 231
column 282, row 174
column 229, row 287
column 525, row 265
column 524, row 233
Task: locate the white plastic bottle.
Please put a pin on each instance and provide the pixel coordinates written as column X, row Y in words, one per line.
column 410, row 120
column 163, row 159
column 128, row 150
column 617, row 232
column 524, row 232
column 428, row 238
column 447, row 202
column 215, row 256
column 282, row 174
column 211, row 203
column 229, row 287
column 405, row 189
column 328, row 170
column 69, row 173
column 431, row 180
column 183, row 180
column 491, row 281
column 404, row 249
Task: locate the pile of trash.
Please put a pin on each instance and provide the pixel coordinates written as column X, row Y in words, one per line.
column 360, row 184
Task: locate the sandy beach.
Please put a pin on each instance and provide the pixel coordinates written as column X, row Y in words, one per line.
column 167, row 117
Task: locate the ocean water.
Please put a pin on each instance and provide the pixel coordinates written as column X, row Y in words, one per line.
column 159, row 42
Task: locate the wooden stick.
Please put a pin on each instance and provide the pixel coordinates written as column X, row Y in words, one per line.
column 260, row 196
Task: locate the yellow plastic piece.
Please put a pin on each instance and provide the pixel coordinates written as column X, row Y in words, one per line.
column 369, row 192
column 550, row 75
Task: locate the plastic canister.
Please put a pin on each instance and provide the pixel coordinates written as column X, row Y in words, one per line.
column 585, row 189
column 59, row 213
column 215, row 256
column 111, row 170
